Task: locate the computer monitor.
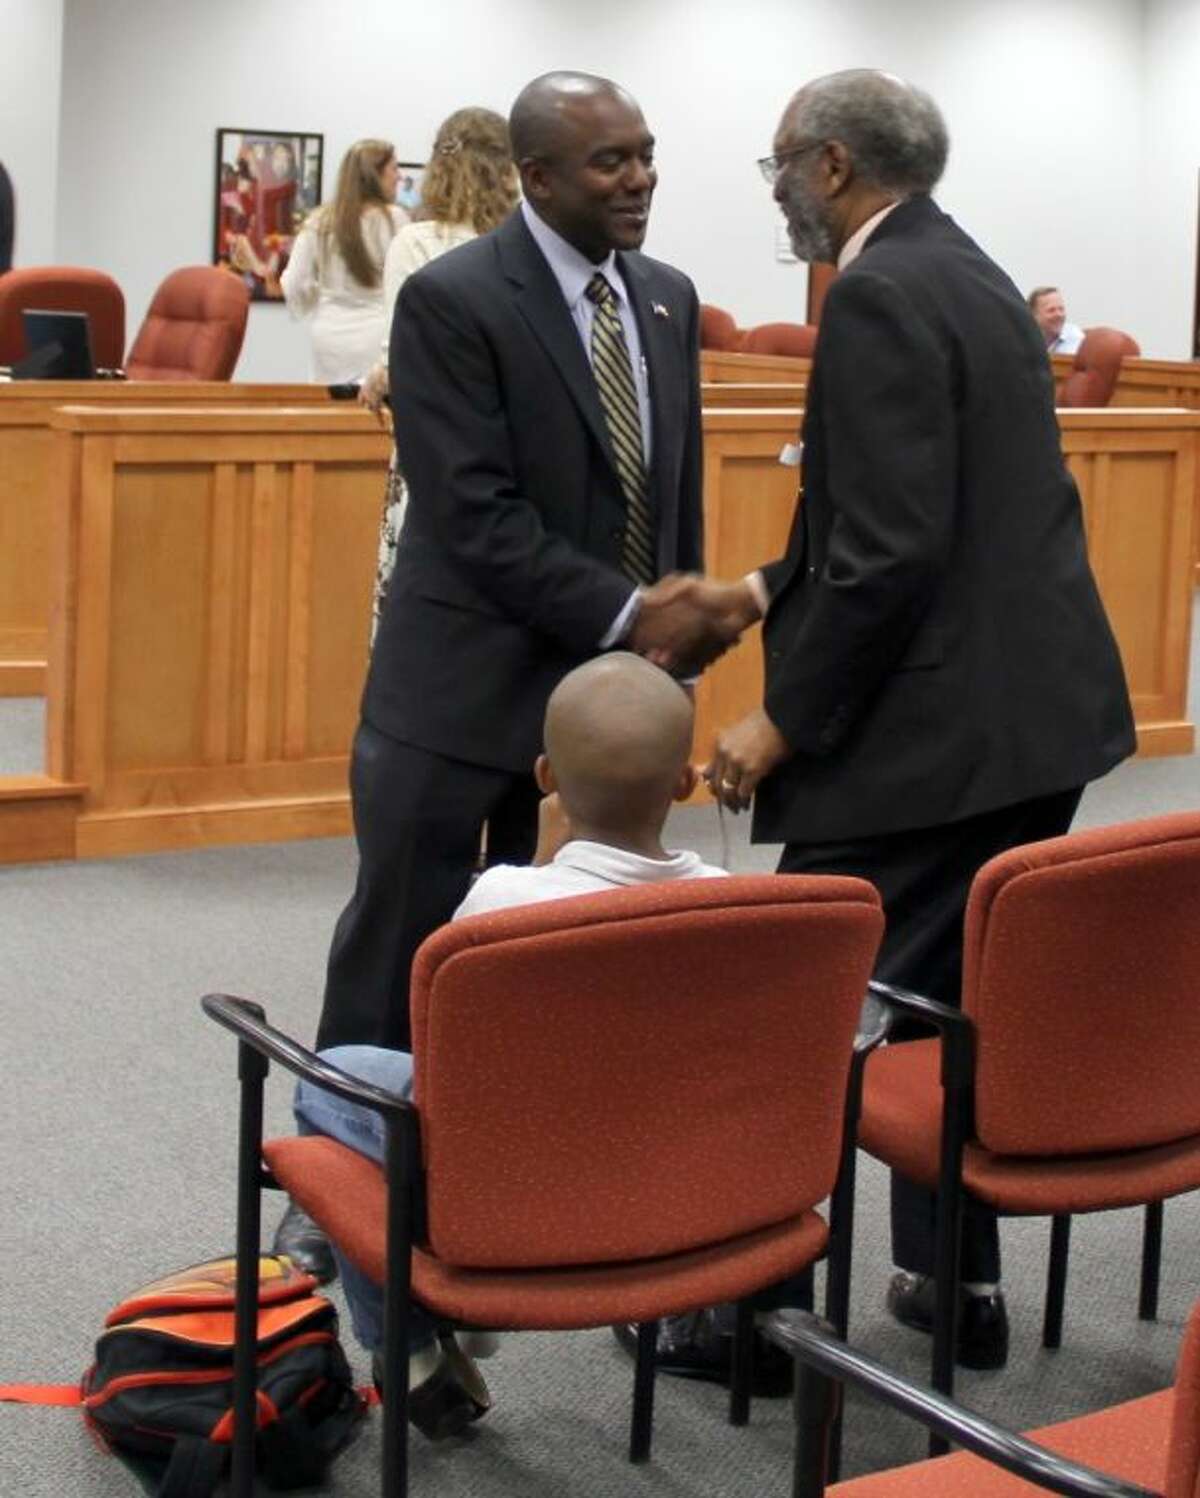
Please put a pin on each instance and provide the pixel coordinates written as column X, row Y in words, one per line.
column 60, row 347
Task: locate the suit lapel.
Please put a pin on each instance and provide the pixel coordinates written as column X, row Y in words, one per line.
column 660, row 346
column 539, row 300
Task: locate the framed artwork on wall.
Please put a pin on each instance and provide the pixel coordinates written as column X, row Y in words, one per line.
column 267, row 182
column 408, row 188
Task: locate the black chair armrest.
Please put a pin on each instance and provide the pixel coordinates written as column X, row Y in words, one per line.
column 956, row 1029
column 815, row 1346
column 248, row 1022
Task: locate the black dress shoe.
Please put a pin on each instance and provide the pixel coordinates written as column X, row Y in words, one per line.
column 694, row 1346
column 305, row 1244
column 454, row 1395
column 982, row 1319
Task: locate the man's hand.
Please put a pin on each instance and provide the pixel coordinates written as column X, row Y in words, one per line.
column 685, row 622
column 744, row 754
column 553, row 828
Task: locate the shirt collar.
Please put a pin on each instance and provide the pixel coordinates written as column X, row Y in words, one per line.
column 853, row 247
column 572, row 270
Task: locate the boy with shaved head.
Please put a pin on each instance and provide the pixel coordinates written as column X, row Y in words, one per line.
column 618, row 734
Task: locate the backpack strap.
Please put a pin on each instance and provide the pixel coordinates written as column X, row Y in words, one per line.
column 64, row 1394
column 195, row 1468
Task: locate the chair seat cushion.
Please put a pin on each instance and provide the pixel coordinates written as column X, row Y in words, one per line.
column 1128, row 1441
column 346, row 1194
column 901, row 1125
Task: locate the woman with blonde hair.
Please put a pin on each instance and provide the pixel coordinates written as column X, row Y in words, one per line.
column 335, row 274
column 470, row 187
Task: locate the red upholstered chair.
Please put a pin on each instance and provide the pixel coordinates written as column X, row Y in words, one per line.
column 194, row 328
column 791, row 339
column 1069, row 1077
column 1144, row 1448
column 626, row 1105
column 1097, row 368
column 63, row 288
column 719, row 331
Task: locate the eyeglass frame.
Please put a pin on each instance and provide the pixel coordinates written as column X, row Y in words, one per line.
column 772, row 166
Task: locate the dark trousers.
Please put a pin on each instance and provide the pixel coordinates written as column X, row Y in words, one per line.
column 417, row 821
column 924, row 877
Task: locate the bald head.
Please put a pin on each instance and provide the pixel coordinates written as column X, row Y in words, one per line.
column 586, row 161
column 618, row 737
column 546, row 110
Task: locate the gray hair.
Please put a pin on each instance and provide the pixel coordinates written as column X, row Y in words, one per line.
column 894, row 131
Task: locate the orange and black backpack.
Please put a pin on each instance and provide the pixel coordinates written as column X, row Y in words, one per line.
column 160, row 1392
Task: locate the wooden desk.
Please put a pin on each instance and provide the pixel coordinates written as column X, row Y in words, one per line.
column 213, row 575
column 719, row 395
column 25, row 499
column 1136, row 472
column 720, row 368
column 210, row 619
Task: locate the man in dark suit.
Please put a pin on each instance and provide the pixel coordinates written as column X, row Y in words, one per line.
column 545, row 385
column 941, row 679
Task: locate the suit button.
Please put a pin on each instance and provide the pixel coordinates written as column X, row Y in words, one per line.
column 616, row 534
column 776, row 655
column 812, row 571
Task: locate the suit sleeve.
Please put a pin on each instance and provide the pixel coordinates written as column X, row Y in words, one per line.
column 889, row 434
column 452, row 434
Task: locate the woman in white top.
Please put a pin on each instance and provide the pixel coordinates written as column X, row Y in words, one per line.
column 469, row 188
column 335, row 274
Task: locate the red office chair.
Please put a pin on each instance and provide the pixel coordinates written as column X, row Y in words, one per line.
column 793, row 340
column 1097, row 368
column 626, row 1105
column 719, row 331
column 1081, row 962
column 63, row 288
column 1144, row 1448
column 194, row 328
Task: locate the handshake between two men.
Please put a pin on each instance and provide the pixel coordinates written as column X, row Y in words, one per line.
column 684, row 623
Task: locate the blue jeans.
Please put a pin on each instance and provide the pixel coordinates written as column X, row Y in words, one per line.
column 320, row 1112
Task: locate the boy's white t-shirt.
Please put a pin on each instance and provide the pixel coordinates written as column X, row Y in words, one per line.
column 578, row 868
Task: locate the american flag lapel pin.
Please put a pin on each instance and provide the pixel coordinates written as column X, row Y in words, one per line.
column 659, row 310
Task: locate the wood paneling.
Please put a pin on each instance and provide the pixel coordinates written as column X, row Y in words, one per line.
column 210, row 610
column 26, row 498
column 1137, row 474
column 761, row 369
column 208, row 652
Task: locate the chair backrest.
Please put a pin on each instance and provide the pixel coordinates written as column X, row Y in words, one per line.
column 718, row 330
column 63, row 288
column 1081, row 971
column 637, row 1073
column 1183, row 1447
column 194, row 328
column 793, row 339
column 1097, row 366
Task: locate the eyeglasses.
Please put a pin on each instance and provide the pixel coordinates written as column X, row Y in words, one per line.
column 771, row 166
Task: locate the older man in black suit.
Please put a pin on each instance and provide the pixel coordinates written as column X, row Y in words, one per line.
column 545, row 385
column 941, row 679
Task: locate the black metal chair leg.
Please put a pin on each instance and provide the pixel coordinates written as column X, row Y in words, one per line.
column 742, row 1371
column 1056, row 1280
column 252, row 1072
column 817, row 1408
column 1151, row 1262
column 642, row 1423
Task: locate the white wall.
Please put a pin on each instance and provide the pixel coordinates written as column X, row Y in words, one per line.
column 1044, row 102
column 30, row 71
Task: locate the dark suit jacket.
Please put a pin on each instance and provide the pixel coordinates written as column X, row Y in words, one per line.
column 508, row 567
column 935, row 644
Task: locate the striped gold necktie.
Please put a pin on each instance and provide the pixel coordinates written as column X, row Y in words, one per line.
column 618, row 397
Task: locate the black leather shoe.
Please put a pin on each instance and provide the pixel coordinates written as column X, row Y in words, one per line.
column 694, row 1346
column 305, row 1244
column 454, row 1395
column 982, row 1319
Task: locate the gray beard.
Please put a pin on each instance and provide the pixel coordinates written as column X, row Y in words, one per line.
column 810, row 236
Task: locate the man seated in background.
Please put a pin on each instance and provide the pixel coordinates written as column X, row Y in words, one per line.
column 618, row 738
column 1050, row 313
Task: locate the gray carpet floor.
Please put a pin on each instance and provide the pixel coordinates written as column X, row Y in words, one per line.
column 118, row 1132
